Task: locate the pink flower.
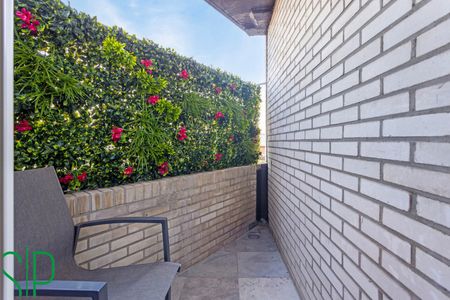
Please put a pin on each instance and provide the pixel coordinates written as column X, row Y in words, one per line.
column 66, row 179
column 163, row 169
column 181, row 135
column 33, row 26
column 29, row 21
column 116, row 134
column 233, row 87
column 82, row 177
column 219, row 115
column 147, row 63
column 128, row 171
column 24, row 15
column 218, row 156
column 231, row 138
column 153, row 100
column 184, row 74
column 23, row 125
column 218, row 90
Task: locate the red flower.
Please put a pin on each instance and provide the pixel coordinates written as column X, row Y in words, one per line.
column 66, row 179
column 29, row 21
column 181, row 135
column 153, row 100
column 24, row 15
column 147, row 63
column 163, row 168
column 218, row 90
column 128, row 171
column 218, row 156
column 82, row 177
column 184, row 74
column 116, row 134
column 23, row 125
column 33, row 26
column 233, row 87
column 219, row 115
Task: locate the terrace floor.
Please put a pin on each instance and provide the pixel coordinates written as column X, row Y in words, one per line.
column 248, row 268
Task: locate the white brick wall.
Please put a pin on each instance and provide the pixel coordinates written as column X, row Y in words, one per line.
column 427, row 236
column 433, row 96
column 436, row 211
column 433, row 268
column 358, row 119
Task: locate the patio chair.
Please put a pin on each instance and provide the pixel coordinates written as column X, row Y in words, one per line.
column 42, row 222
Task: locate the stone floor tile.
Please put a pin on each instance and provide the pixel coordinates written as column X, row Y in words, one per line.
column 219, row 265
column 177, row 287
column 210, row 288
column 267, row 289
column 249, row 268
column 261, row 264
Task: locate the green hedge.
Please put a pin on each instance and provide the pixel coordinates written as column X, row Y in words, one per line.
column 82, row 93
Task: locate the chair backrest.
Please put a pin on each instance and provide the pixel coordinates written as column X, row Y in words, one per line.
column 42, row 221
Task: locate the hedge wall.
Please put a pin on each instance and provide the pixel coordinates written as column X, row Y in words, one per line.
column 105, row 108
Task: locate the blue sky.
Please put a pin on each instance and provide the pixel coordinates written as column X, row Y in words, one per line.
column 192, row 27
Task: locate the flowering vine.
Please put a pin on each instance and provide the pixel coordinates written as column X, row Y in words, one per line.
column 23, row 126
column 147, row 63
column 163, row 169
column 153, row 121
column 128, row 171
column 28, row 20
column 153, row 100
column 66, row 179
column 184, row 74
column 218, row 115
column 181, row 135
column 116, row 134
column 82, row 177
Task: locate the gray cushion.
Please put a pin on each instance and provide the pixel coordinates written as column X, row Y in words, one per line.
column 136, row 282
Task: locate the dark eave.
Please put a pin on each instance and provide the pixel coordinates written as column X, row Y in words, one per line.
column 252, row 16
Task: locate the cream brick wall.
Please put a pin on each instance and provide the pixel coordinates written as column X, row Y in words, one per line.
column 204, row 210
column 358, row 118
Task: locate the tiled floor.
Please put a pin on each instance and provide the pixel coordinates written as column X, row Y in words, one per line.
column 249, row 268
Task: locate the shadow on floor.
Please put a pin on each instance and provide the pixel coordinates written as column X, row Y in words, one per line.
column 246, row 269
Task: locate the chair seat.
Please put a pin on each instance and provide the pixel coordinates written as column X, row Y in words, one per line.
column 135, row 282
column 42, row 221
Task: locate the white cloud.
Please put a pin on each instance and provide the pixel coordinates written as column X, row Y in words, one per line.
column 109, row 14
column 169, row 30
column 133, row 4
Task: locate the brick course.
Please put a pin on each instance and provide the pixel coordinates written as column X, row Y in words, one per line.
column 204, row 211
column 358, row 123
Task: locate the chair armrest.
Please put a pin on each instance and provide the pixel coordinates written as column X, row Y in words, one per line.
column 153, row 220
column 62, row 288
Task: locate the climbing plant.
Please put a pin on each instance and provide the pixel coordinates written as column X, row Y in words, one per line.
column 106, row 108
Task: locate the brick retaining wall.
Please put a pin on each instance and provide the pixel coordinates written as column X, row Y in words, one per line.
column 205, row 211
column 358, row 120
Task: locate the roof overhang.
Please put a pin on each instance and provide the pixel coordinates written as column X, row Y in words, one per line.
column 252, row 16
